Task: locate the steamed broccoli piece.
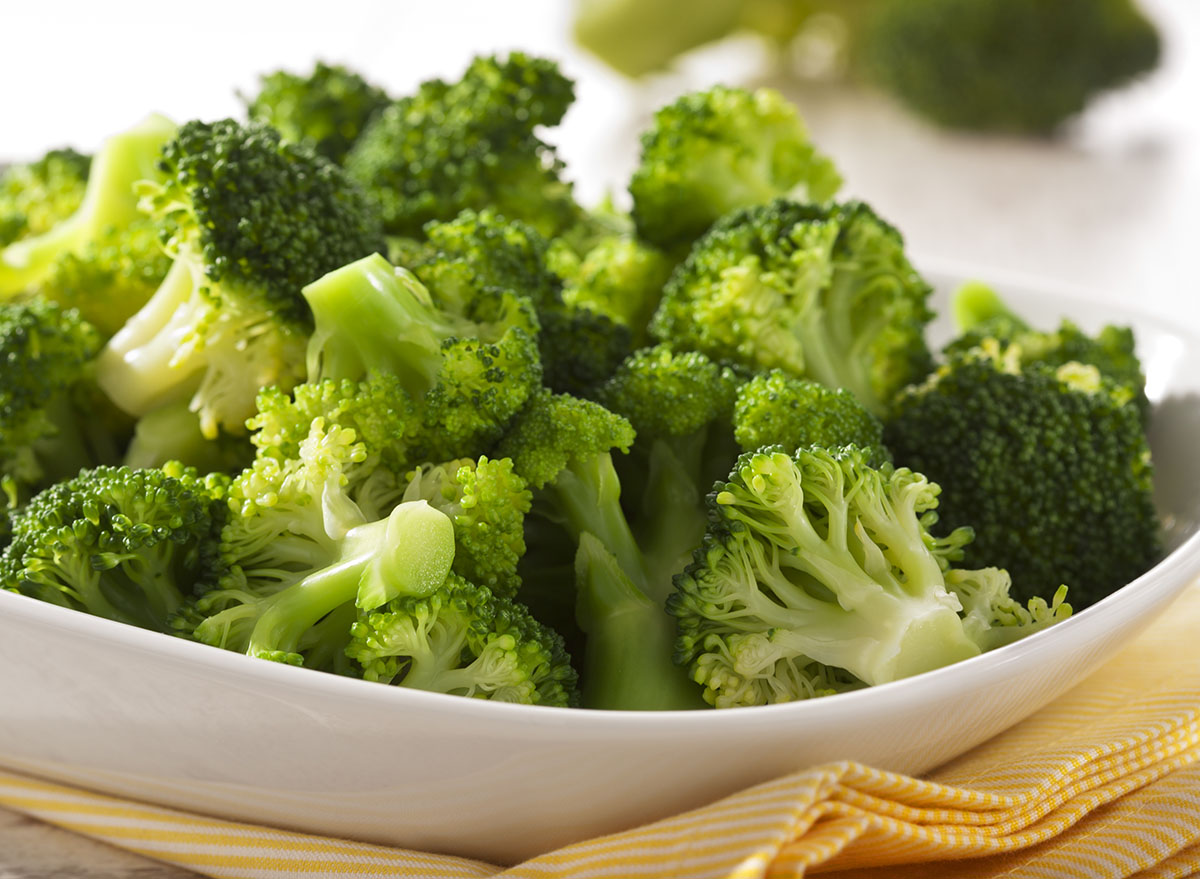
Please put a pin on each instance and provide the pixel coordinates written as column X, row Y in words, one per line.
column 1050, row 466
column 173, row 433
column 53, row 422
column 562, row 446
column 818, row 575
column 487, row 502
column 34, row 196
column 464, row 640
column 467, row 378
column 981, row 314
column 470, row 144
column 636, row 37
column 1023, row 66
column 109, row 202
column 327, row 109
column 129, row 545
column 824, row 293
column 715, row 151
column 774, row 409
column 248, row 220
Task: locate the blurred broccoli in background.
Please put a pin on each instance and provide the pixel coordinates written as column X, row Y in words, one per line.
column 1020, row 66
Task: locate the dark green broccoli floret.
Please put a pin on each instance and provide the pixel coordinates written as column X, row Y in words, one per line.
column 1008, row 65
column 130, row 545
column 824, row 293
column 1050, row 466
column 774, row 409
column 981, row 314
column 249, row 220
column 470, row 144
column 818, row 575
column 53, row 422
column 327, row 109
column 34, row 196
column 109, row 202
column 712, row 152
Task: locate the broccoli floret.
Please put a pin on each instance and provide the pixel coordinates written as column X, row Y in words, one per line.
column 487, row 502
column 824, row 293
column 470, row 144
column 129, row 545
column 462, row 639
column 53, row 422
column 715, row 151
column 774, row 409
column 981, row 314
column 249, row 220
column 1008, row 65
column 109, row 202
column 562, row 446
column 34, row 196
column 1050, row 466
column 467, row 378
column 327, row 109
column 818, row 574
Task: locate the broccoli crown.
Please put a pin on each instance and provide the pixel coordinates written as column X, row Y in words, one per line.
column 1011, row 65
column 715, row 151
column 470, row 144
column 815, row 557
column 1050, row 466
column 111, row 277
column 824, row 293
column 774, row 409
column 462, row 639
column 468, row 379
column 487, row 502
column 34, row 196
column 327, row 109
column 45, row 360
column 125, row 544
column 557, row 431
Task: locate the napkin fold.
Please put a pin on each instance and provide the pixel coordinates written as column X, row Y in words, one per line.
column 1104, row 783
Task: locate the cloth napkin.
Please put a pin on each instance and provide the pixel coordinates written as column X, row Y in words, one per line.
column 1103, row 783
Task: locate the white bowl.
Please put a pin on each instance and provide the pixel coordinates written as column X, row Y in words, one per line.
column 143, row 715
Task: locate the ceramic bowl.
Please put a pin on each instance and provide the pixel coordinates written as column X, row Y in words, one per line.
column 144, row 715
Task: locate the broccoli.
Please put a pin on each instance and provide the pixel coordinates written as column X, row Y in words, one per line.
column 248, row 220
column 774, row 409
column 53, row 421
column 172, row 433
column 327, row 109
column 34, row 196
column 715, row 151
column 470, row 144
column 129, row 545
column 981, row 314
column 562, row 446
column 818, row 575
column 824, row 293
column 636, row 37
column 108, row 202
column 1049, row 465
column 1023, row 66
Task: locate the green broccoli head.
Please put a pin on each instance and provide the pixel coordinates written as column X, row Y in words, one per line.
column 34, row 196
column 129, row 545
column 52, row 422
column 1050, row 466
column 470, row 144
column 775, row 409
column 824, row 293
column 1007, row 65
column 487, row 502
column 327, row 109
column 249, row 220
column 715, row 151
column 462, row 639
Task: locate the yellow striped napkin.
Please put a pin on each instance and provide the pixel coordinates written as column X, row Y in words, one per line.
column 1103, row 784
